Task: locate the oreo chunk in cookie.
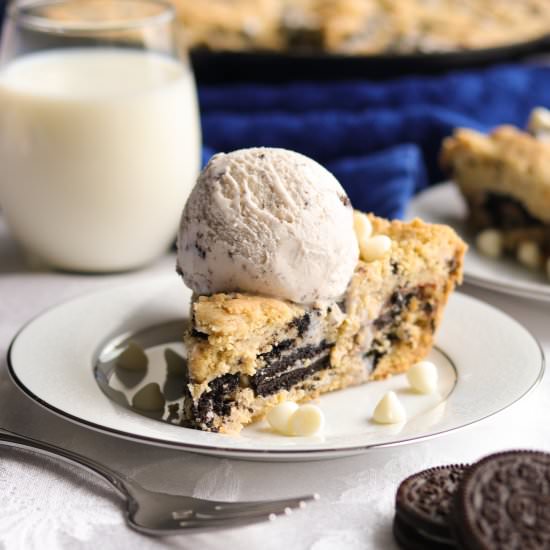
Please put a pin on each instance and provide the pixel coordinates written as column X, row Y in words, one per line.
column 504, row 503
column 423, row 508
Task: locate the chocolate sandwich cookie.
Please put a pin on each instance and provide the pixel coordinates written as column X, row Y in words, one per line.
column 504, row 503
column 423, row 506
column 410, row 538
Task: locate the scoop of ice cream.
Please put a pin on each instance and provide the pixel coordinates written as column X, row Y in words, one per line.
column 267, row 221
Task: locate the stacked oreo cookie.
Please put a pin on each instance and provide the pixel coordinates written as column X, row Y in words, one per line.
column 501, row 502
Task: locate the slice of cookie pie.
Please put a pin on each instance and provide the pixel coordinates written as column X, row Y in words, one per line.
column 505, row 180
column 248, row 352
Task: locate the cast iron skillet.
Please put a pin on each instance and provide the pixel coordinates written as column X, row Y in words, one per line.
column 270, row 67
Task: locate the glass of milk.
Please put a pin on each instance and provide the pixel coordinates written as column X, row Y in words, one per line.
column 99, row 131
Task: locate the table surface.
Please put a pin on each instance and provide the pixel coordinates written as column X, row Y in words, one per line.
column 46, row 504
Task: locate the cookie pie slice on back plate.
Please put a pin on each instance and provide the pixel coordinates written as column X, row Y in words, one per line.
column 505, row 180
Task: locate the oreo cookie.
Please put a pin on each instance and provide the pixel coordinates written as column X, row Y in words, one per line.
column 410, row 538
column 504, row 503
column 423, row 508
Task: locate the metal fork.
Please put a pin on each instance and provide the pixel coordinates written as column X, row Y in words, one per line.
column 156, row 513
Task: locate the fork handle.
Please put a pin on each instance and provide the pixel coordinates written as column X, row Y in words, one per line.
column 11, row 439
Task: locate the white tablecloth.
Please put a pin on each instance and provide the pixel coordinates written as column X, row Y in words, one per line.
column 44, row 504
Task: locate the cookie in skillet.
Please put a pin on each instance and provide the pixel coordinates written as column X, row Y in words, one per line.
column 423, row 506
column 503, row 503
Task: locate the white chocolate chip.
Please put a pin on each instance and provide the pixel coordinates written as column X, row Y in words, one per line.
column 132, row 358
column 489, row 243
column 539, row 123
column 529, row 254
column 307, row 420
column 362, row 226
column 422, row 377
column 279, row 416
column 374, row 248
column 389, row 410
column 149, row 398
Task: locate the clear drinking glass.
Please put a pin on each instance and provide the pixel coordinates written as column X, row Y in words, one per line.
column 99, row 131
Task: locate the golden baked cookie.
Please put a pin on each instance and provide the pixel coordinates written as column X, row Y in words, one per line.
column 362, row 27
column 505, row 180
column 247, row 353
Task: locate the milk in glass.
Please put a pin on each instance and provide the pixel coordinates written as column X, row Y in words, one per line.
column 99, row 149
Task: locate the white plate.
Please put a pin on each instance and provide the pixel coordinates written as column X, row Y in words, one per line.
column 479, row 352
column 444, row 204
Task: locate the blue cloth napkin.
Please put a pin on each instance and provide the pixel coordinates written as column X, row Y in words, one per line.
column 380, row 139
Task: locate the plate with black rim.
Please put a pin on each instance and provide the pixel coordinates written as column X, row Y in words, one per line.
column 63, row 360
column 444, row 204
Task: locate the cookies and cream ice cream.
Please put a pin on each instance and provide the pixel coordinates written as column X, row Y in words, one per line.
column 267, row 221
